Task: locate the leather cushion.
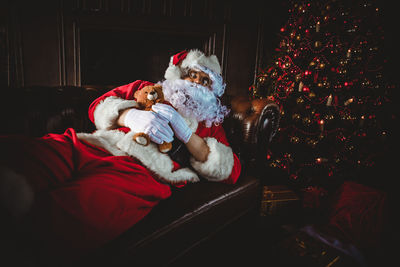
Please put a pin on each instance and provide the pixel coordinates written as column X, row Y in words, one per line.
column 189, row 216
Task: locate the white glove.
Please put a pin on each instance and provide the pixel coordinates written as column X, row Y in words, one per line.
column 181, row 129
column 157, row 128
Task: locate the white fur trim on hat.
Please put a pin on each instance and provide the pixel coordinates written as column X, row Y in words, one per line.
column 196, row 59
column 219, row 164
column 107, row 111
column 173, row 72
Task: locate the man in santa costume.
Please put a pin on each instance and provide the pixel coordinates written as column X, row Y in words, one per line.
column 81, row 190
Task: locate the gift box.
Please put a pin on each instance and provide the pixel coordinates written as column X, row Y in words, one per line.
column 278, row 200
column 308, row 248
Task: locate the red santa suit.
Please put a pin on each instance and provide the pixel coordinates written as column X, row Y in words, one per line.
column 90, row 188
column 221, row 165
column 82, row 195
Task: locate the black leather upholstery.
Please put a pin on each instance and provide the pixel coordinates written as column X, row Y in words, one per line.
column 35, row 111
column 250, row 127
column 193, row 212
column 190, row 216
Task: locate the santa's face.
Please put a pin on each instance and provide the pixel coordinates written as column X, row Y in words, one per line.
column 198, row 77
column 193, row 97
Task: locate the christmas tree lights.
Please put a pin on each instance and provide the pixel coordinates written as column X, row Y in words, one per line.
column 327, row 76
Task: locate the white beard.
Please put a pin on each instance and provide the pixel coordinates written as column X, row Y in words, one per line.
column 194, row 101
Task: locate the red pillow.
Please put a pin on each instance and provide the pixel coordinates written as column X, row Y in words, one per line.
column 359, row 213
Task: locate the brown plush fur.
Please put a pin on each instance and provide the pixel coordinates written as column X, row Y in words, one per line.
column 146, row 98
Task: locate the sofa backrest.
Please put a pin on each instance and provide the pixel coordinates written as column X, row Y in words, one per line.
column 36, row 111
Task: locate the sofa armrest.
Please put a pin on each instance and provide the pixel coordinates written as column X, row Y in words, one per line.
column 250, row 128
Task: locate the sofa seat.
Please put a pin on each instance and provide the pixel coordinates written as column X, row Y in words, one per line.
column 191, row 215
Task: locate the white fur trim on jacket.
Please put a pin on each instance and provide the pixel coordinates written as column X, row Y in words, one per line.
column 119, row 143
column 107, row 111
column 106, row 139
column 160, row 163
column 219, row 163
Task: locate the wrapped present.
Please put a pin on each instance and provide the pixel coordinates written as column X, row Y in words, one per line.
column 307, row 247
column 277, row 200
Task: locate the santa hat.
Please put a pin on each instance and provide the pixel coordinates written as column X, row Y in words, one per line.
column 180, row 63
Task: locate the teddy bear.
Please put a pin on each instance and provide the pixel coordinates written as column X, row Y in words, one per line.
column 146, row 98
column 138, row 145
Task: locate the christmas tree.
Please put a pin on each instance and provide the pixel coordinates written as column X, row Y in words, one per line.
column 327, row 76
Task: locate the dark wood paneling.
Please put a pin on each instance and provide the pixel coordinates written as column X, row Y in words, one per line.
column 40, row 42
column 12, row 71
column 71, row 43
column 4, row 54
column 60, row 40
column 127, row 55
column 118, row 47
column 242, row 44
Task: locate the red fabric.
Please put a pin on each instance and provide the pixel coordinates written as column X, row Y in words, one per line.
column 313, row 197
column 85, row 196
column 360, row 214
column 218, row 133
column 178, row 58
column 127, row 92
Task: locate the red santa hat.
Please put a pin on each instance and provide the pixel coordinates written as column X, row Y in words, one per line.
column 195, row 59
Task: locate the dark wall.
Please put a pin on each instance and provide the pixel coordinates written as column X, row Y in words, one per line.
column 111, row 42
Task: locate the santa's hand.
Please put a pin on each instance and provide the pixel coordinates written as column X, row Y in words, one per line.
column 157, row 128
column 181, row 129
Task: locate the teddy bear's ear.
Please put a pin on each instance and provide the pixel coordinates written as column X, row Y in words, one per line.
column 136, row 94
column 158, row 88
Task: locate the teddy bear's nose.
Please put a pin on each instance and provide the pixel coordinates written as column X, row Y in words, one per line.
column 152, row 95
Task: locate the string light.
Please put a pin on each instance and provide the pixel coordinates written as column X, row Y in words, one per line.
column 326, row 79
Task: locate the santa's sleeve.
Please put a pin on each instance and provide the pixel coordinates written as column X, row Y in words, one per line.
column 105, row 110
column 222, row 164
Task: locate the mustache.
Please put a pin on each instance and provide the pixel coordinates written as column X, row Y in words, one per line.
column 194, row 100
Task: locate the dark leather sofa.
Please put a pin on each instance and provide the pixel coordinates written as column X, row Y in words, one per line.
column 192, row 214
